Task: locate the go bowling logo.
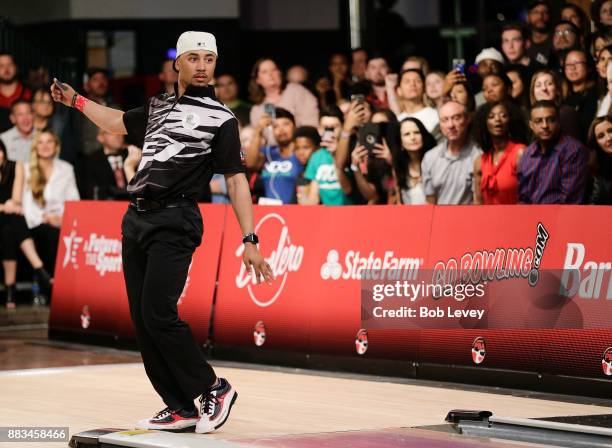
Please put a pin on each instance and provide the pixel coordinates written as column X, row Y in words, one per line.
column 606, row 362
column 285, row 258
column 479, row 350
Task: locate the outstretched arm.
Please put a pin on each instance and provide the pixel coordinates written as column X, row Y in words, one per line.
column 240, row 197
column 109, row 119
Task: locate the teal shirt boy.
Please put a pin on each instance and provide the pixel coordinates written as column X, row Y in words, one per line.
column 321, row 169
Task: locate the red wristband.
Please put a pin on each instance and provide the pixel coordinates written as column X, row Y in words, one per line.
column 79, row 103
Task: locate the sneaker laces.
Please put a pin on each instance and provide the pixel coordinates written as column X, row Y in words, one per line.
column 162, row 414
column 207, row 400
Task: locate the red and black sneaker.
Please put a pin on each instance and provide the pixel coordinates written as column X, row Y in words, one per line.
column 215, row 406
column 170, row 420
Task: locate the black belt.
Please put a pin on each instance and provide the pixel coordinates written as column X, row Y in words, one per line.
column 145, row 205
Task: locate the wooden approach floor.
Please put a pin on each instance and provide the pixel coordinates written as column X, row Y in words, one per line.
column 270, row 403
column 45, row 383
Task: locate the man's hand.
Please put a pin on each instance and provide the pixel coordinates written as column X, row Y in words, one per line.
column 453, row 77
column 264, row 122
column 391, row 80
column 240, row 197
column 331, row 144
column 355, row 117
column 253, row 259
column 62, row 95
column 359, row 155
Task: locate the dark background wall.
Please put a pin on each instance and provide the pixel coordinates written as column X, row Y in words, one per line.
column 292, row 31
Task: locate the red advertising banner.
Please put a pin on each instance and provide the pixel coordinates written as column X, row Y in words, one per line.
column 88, row 289
column 576, row 248
column 316, row 254
column 89, row 292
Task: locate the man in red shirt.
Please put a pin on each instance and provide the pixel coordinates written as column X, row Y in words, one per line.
column 376, row 71
column 11, row 89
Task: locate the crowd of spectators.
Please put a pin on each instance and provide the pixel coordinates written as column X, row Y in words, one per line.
column 525, row 121
column 519, row 125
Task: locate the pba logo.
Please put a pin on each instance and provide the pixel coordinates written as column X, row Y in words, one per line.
column 285, row 258
column 259, row 333
column 479, row 350
column 606, row 362
column 361, row 341
column 85, row 317
column 102, row 253
column 191, row 121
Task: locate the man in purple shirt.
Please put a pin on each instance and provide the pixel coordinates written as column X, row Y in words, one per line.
column 553, row 169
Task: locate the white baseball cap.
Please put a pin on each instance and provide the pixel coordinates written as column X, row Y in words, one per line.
column 490, row 53
column 196, row 40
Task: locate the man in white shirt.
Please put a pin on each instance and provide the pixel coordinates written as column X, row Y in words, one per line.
column 447, row 169
column 18, row 139
column 411, row 91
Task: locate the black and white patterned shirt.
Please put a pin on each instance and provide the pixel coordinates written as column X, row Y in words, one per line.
column 183, row 143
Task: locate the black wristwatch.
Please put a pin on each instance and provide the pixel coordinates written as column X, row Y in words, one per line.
column 250, row 238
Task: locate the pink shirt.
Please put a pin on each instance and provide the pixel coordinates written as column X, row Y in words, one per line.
column 296, row 99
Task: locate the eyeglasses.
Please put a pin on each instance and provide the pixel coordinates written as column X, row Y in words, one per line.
column 562, row 33
column 574, row 65
column 540, row 121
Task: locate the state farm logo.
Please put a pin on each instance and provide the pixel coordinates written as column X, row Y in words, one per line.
column 102, row 253
column 285, row 258
column 394, row 267
column 331, row 268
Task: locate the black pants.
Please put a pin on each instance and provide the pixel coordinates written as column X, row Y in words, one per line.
column 13, row 230
column 157, row 250
column 46, row 239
